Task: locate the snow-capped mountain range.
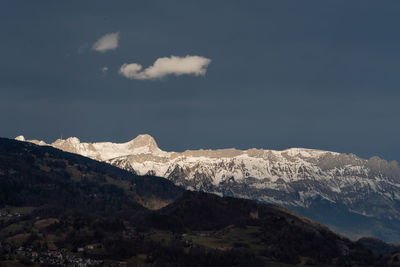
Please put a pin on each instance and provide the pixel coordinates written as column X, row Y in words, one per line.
column 294, row 178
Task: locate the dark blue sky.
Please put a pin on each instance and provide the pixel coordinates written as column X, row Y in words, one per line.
column 315, row 74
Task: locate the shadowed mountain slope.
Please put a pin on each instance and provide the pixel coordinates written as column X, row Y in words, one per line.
column 312, row 182
column 284, row 235
column 37, row 175
column 56, row 203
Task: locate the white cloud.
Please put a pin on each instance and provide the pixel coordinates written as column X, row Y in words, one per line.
column 104, row 69
column 164, row 66
column 108, row 41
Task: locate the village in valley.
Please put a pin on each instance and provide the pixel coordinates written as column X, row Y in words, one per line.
column 37, row 247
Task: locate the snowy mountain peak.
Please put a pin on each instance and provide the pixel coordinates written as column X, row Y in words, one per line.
column 20, row 138
column 142, row 144
column 73, row 140
column 144, row 140
column 70, row 140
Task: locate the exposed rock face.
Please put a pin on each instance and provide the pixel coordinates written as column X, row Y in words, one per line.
column 294, row 178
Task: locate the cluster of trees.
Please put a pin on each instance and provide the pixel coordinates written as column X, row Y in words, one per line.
column 286, row 236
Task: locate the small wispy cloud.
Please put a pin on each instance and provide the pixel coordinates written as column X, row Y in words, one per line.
column 107, row 42
column 104, row 69
column 164, row 66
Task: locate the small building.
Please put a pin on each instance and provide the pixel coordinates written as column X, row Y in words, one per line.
column 94, row 246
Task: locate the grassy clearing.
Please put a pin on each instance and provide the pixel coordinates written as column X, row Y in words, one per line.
column 153, row 203
column 45, row 222
column 21, row 210
column 13, row 228
column 18, row 239
column 51, row 238
column 74, row 172
column 163, row 237
column 139, row 261
column 228, row 238
column 125, row 185
column 44, row 168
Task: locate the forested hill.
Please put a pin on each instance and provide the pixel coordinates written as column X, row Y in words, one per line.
column 58, row 208
column 34, row 175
